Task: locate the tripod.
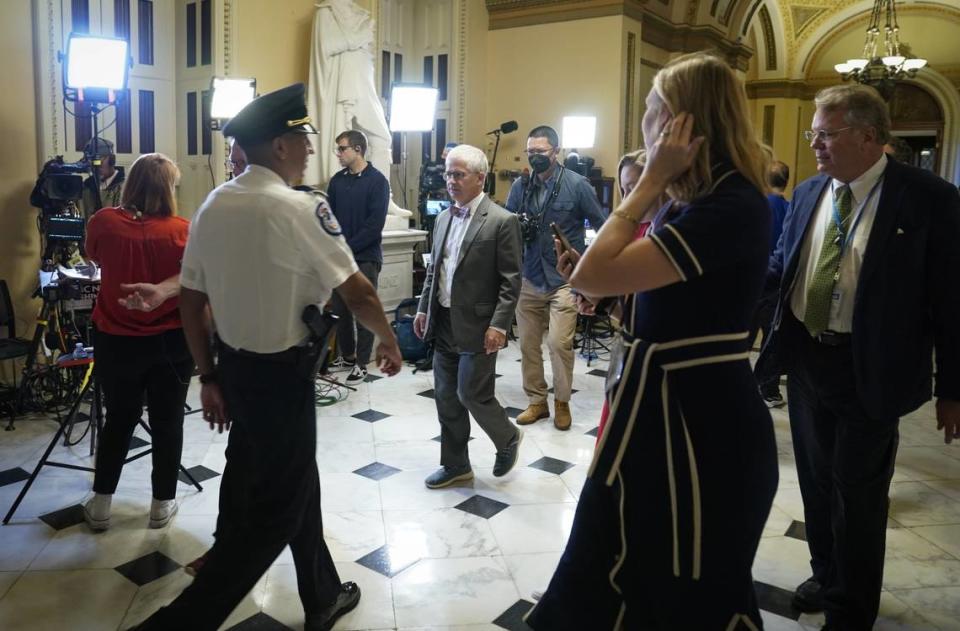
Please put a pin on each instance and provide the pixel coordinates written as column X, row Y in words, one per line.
column 90, row 387
column 594, row 328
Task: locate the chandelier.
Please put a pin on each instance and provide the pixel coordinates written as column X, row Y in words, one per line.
column 881, row 69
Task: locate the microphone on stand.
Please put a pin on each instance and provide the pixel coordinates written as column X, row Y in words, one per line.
column 505, row 128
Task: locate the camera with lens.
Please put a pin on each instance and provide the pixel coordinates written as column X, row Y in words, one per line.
column 529, row 226
column 431, row 177
column 57, row 193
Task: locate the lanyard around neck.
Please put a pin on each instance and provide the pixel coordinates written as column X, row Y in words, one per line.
column 847, row 237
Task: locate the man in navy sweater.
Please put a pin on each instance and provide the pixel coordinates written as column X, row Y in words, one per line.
column 359, row 196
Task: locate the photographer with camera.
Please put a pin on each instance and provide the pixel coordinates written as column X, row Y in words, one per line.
column 109, row 180
column 553, row 195
column 139, row 352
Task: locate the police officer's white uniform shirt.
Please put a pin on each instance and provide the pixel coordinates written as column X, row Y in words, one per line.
column 845, row 289
column 261, row 252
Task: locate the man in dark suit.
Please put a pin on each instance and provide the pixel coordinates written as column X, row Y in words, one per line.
column 868, row 267
column 467, row 306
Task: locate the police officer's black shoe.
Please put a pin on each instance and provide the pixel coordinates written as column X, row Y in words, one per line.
column 445, row 476
column 808, row 597
column 346, row 601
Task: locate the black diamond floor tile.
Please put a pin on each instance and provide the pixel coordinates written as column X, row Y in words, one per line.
column 200, row 473
column 775, row 600
column 371, row 378
column 572, row 390
column 387, row 560
column 426, row 393
column 512, row 618
column 370, row 416
column 136, row 442
column 551, row 465
column 797, row 530
column 481, row 506
column 512, row 412
column 259, row 622
column 592, row 432
column 377, row 471
column 12, row 476
column 596, row 372
column 64, row 518
column 148, row 568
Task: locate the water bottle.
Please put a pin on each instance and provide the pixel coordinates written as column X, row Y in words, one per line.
column 79, row 352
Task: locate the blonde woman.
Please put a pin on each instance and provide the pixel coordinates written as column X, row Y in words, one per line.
column 671, row 514
column 140, row 352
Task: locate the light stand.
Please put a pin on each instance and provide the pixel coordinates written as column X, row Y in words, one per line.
column 413, row 107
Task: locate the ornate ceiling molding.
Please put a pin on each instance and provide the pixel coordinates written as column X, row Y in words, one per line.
column 514, row 13
column 682, row 38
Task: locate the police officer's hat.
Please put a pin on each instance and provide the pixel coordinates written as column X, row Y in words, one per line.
column 271, row 115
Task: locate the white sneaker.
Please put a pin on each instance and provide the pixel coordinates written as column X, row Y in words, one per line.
column 96, row 512
column 342, row 365
column 161, row 512
column 357, row 375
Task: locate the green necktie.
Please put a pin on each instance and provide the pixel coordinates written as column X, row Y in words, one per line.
column 820, row 287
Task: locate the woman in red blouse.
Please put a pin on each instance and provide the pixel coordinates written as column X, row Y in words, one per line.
column 140, row 354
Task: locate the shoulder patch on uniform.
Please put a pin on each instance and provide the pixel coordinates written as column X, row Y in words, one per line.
column 328, row 221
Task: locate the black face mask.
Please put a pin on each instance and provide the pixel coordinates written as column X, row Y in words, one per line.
column 539, row 162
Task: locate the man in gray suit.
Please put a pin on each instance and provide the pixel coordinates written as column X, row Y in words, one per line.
column 466, row 307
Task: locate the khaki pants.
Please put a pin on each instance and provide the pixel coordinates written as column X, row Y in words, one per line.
column 535, row 310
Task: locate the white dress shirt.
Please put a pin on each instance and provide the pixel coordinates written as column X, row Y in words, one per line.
column 262, row 251
column 845, row 289
column 451, row 249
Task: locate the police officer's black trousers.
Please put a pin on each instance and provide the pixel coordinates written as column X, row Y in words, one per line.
column 271, row 464
column 845, row 462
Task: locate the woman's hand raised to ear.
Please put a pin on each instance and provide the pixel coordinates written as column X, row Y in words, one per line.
column 674, row 152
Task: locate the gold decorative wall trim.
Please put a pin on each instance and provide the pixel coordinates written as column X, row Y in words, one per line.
column 514, row 13
column 52, row 77
column 650, row 64
column 769, row 38
column 461, row 68
column 629, row 88
column 682, row 38
column 782, row 89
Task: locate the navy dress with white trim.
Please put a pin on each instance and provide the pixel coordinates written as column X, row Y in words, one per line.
column 677, row 496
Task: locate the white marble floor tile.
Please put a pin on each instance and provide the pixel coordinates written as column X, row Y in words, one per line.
column 91, row 600
column 533, row 528
column 282, row 601
column 49, row 493
column 206, row 502
column 344, row 428
column 351, row 535
column 77, row 548
column 401, row 428
column 337, row 457
column 453, row 591
column 7, row 579
column 575, row 478
column 913, row 562
column 927, row 463
column 405, row 490
column 523, row 485
column 939, row 607
column 947, row 538
column 21, row 542
column 782, row 561
column 341, row 492
column 773, row 622
column 950, row 488
column 919, row 504
column 440, row 533
column 188, row 537
column 777, row 523
column 532, row 572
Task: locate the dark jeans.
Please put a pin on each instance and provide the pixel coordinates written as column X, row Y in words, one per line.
column 272, row 486
column 127, row 367
column 355, row 342
column 767, row 369
column 845, row 462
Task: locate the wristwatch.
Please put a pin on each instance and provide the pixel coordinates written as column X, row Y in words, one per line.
column 210, row 377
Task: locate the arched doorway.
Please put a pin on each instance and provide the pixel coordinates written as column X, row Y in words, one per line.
column 918, row 125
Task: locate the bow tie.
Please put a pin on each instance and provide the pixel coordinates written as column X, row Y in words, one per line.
column 460, row 212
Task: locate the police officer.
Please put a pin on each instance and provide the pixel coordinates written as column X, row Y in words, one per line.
column 259, row 384
column 552, row 195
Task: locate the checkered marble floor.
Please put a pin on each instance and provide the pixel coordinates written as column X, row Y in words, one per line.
column 466, row 557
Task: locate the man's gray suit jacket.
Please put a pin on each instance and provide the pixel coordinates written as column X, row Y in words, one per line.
column 486, row 282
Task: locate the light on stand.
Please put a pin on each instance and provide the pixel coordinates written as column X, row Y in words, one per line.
column 579, row 132
column 95, row 67
column 229, row 97
column 412, row 108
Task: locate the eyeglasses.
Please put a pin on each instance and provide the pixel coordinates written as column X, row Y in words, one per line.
column 456, row 176
column 538, row 152
column 340, row 149
column 823, row 134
